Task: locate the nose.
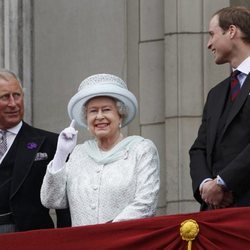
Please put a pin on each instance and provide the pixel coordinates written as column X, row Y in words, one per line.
column 12, row 101
column 99, row 115
column 209, row 43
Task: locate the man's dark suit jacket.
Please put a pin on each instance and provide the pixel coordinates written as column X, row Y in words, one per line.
column 32, row 149
column 234, row 143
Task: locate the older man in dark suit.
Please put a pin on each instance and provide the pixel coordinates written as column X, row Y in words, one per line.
column 25, row 152
column 220, row 156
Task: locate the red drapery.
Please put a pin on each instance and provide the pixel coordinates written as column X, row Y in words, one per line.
column 219, row 229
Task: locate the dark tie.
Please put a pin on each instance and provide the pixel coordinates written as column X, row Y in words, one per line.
column 3, row 143
column 235, row 84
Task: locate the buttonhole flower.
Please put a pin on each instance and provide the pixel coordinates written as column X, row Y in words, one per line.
column 31, row 145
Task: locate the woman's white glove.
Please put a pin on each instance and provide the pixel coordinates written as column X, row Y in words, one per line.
column 65, row 145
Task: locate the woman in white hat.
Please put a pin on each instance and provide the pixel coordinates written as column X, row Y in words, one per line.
column 110, row 178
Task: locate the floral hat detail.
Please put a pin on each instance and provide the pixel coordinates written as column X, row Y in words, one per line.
column 102, row 85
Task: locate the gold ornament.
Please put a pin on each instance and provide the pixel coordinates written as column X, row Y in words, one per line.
column 189, row 230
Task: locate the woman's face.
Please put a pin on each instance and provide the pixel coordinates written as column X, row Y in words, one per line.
column 103, row 118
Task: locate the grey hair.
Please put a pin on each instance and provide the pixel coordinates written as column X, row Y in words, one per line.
column 122, row 109
column 6, row 74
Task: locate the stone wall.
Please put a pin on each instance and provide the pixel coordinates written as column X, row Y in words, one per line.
column 158, row 47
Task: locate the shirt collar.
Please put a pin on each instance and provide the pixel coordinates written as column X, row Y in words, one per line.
column 244, row 67
column 15, row 130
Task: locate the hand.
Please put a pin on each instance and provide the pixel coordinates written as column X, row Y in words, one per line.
column 228, row 199
column 65, row 145
column 212, row 193
column 67, row 139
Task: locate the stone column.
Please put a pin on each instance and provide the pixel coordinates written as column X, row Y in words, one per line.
column 151, row 82
column 16, row 44
column 189, row 74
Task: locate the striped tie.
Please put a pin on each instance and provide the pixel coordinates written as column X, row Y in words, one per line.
column 235, row 84
column 3, row 143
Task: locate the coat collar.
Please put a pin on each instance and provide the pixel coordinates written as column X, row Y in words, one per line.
column 219, row 97
column 26, row 145
column 239, row 102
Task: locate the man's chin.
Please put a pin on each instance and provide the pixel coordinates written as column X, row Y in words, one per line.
column 219, row 61
column 12, row 122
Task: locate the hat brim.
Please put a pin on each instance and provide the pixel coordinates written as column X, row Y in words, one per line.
column 76, row 103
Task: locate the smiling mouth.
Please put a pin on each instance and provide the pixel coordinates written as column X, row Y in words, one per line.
column 101, row 125
column 12, row 113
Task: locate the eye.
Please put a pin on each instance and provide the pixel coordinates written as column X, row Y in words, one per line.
column 5, row 97
column 211, row 34
column 92, row 111
column 106, row 109
column 16, row 96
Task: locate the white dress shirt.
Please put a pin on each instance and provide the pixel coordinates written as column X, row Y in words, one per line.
column 244, row 68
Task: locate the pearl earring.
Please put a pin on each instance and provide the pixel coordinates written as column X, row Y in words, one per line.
column 120, row 125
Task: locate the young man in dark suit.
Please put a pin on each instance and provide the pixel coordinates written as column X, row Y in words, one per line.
column 220, row 156
column 25, row 152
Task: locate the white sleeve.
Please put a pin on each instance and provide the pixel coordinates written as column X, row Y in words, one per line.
column 53, row 190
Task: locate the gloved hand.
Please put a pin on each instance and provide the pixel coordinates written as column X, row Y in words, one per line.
column 65, row 145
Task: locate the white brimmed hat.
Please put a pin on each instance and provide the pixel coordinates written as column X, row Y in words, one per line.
column 102, row 85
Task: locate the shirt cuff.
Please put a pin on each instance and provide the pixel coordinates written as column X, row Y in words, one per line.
column 207, row 179
column 220, row 181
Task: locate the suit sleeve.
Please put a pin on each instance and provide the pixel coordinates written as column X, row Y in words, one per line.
column 237, row 173
column 199, row 170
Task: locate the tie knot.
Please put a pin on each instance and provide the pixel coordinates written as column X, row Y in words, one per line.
column 2, row 135
column 235, row 73
column 3, row 132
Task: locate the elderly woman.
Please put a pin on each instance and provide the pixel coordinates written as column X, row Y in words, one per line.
column 111, row 177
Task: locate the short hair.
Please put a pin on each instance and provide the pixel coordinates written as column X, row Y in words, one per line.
column 122, row 108
column 6, row 74
column 238, row 16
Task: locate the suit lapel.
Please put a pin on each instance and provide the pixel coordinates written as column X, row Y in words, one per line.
column 238, row 103
column 26, row 150
column 220, row 98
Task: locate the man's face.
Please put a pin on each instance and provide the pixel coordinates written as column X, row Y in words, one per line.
column 11, row 103
column 219, row 42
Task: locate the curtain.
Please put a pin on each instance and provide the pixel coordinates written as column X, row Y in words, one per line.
column 219, row 229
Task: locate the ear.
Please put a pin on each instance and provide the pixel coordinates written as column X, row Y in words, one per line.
column 232, row 30
column 120, row 121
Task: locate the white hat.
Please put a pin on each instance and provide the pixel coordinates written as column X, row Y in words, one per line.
column 102, row 85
